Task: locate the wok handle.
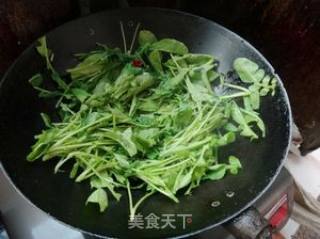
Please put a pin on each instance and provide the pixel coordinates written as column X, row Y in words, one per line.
column 250, row 225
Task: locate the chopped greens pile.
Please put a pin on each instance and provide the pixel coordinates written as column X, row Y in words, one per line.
column 153, row 119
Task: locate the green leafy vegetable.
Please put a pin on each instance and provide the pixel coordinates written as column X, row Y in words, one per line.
column 155, row 60
column 36, row 80
column 170, row 46
column 149, row 119
column 45, row 52
column 146, row 37
column 99, row 196
column 216, row 172
column 234, row 164
column 249, row 72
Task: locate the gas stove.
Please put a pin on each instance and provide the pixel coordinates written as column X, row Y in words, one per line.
column 21, row 220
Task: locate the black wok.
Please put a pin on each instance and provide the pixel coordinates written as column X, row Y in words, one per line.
column 63, row 199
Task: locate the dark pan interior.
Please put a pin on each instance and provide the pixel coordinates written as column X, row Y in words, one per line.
column 60, row 197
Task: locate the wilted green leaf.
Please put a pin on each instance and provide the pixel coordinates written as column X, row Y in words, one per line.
column 170, row 46
column 216, row 172
column 100, row 197
column 155, row 60
column 146, row 37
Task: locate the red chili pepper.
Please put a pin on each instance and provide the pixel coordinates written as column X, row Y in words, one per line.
column 137, row 63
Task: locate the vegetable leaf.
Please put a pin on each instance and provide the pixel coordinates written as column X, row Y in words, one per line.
column 216, row 172
column 36, row 80
column 155, row 60
column 146, row 37
column 234, row 164
column 170, row 46
column 100, row 197
column 45, row 52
